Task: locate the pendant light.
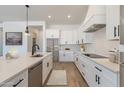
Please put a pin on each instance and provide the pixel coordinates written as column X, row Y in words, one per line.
column 27, row 27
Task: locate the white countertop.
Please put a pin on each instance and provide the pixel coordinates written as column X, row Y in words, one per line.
column 107, row 64
column 103, row 62
column 9, row 68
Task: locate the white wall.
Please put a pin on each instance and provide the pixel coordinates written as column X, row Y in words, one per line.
column 19, row 26
column 100, row 44
column 15, row 27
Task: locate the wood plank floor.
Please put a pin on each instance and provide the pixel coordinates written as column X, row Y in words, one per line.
column 74, row 77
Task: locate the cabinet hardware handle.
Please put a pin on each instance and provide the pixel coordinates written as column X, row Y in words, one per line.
column 76, row 59
column 66, row 42
column 118, row 30
column 78, row 41
column 18, row 83
column 98, row 80
column 83, row 65
column 98, row 69
column 47, row 64
column 114, row 31
column 83, row 73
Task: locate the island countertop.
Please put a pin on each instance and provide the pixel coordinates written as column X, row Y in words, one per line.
column 10, row 68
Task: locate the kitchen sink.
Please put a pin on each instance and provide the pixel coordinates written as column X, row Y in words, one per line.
column 94, row 56
column 37, row 55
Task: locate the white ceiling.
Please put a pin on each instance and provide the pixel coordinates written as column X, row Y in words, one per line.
column 41, row 12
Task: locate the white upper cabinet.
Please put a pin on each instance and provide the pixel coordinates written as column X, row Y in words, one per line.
column 75, row 37
column 69, row 37
column 112, row 21
column 52, row 33
column 87, row 37
column 66, row 37
column 79, row 36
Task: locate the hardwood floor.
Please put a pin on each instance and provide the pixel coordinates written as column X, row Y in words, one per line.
column 74, row 77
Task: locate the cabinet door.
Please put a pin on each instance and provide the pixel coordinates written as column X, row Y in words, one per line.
column 69, row 56
column 66, row 56
column 52, row 33
column 45, row 69
column 104, row 82
column 80, row 36
column 90, row 76
column 61, row 56
column 20, row 80
column 75, row 39
column 66, row 37
column 112, row 21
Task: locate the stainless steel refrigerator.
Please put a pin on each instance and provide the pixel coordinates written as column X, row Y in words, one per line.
column 122, row 46
column 53, row 46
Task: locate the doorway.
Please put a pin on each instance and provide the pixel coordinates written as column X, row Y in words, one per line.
column 37, row 33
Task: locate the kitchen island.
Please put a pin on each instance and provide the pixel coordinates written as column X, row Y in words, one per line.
column 11, row 68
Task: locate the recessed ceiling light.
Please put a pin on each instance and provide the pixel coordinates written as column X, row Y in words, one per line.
column 69, row 16
column 49, row 17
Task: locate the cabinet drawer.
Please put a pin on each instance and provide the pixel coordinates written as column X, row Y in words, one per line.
column 20, row 80
column 109, row 75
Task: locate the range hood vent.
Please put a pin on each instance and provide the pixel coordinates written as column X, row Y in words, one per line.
column 95, row 19
column 95, row 27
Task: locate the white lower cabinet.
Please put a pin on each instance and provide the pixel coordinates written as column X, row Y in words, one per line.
column 47, row 65
column 105, row 77
column 95, row 74
column 20, row 80
column 66, row 56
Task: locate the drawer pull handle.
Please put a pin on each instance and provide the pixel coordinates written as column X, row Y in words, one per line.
column 18, row 83
column 98, row 69
column 83, row 73
column 83, row 65
column 96, row 78
column 47, row 64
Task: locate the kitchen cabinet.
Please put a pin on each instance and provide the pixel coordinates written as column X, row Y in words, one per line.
column 80, row 36
column 69, row 37
column 87, row 37
column 52, row 33
column 104, row 77
column 66, row 56
column 47, row 66
column 95, row 74
column 20, row 80
column 66, row 37
column 112, row 22
column 75, row 37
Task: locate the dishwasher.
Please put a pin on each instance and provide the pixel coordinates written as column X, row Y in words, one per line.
column 35, row 75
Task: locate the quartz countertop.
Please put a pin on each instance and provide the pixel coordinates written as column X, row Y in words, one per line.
column 10, row 68
column 103, row 62
column 107, row 64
